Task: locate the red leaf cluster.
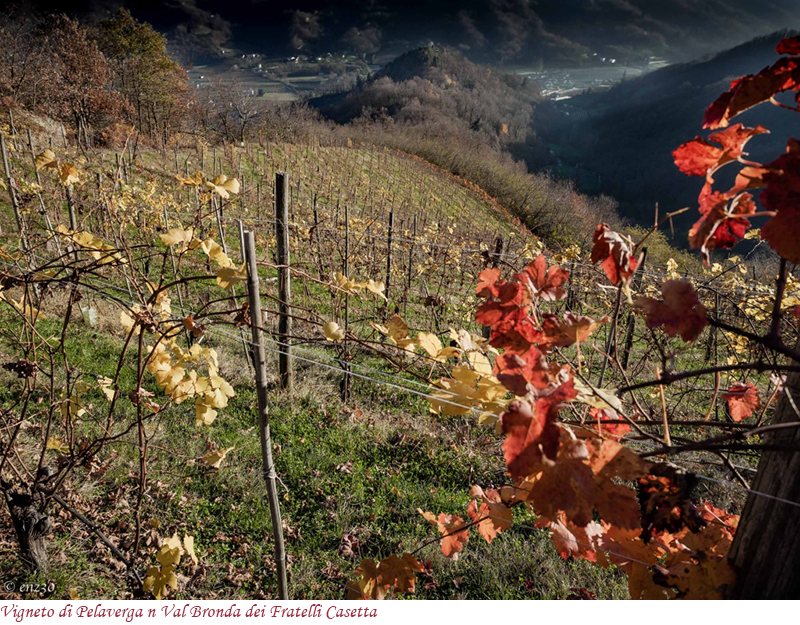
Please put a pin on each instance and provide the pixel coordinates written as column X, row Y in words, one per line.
column 699, row 157
column 614, row 252
column 753, row 89
column 577, row 486
column 724, row 216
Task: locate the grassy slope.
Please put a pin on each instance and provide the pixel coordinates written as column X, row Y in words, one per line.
column 358, row 470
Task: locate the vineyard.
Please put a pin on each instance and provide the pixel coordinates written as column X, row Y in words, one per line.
column 177, row 322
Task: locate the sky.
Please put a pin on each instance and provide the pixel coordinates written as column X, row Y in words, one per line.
column 508, row 32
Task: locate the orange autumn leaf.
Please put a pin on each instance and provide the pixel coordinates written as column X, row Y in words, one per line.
column 491, row 515
column 569, row 330
column 399, row 572
column 487, row 280
column 451, row 527
column 742, row 400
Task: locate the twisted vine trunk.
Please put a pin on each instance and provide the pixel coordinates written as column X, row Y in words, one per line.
column 32, row 526
column 766, row 549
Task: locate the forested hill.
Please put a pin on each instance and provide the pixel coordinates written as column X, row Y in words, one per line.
column 619, row 142
column 436, row 84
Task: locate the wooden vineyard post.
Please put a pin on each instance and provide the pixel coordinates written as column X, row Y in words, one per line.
column 284, row 280
column 42, row 208
column 23, row 231
column 626, row 352
column 13, row 128
column 569, row 302
column 389, row 253
column 319, row 245
column 259, row 357
column 346, row 356
column 766, row 547
column 410, row 267
column 218, row 215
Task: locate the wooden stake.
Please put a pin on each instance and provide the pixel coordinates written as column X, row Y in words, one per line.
column 389, row 254
column 21, row 225
column 284, row 280
column 267, row 465
column 346, row 366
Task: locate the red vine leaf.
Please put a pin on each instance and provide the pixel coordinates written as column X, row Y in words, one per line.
column 601, row 415
column 494, row 517
column 782, row 182
column 546, row 282
column 521, row 373
column 574, row 541
column 700, row 157
column 399, row 572
column 531, row 432
column 752, row 89
column 614, row 252
column 742, row 400
column 790, row 46
column 723, row 220
column 680, row 312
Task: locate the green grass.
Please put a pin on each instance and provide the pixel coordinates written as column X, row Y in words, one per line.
column 359, row 470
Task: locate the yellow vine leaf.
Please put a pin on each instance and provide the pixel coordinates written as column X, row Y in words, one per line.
column 46, row 159
column 204, row 412
column 158, row 578
column 171, row 551
column 27, row 310
column 177, row 235
column 223, row 186
column 431, row 344
column 191, row 181
column 480, row 363
column 216, row 253
column 375, row 287
column 188, row 547
column 333, row 332
column 230, row 276
column 214, row 458
column 345, row 283
column 56, row 444
column 105, row 386
column 396, row 331
column 68, row 174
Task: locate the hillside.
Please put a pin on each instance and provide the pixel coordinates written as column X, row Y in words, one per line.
column 619, row 142
column 468, row 119
column 437, row 85
column 352, row 473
